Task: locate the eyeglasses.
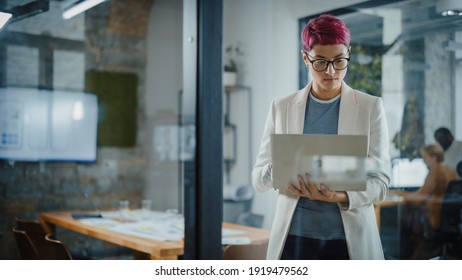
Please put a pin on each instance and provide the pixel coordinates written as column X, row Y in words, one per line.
column 322, row 64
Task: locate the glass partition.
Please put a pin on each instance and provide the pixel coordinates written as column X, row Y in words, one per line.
column 408, row 53
column 129, row 56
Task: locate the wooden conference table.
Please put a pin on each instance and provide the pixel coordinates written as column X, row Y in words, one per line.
column 155, row 249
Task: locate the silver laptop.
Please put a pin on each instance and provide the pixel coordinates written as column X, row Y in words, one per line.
column 338, row 161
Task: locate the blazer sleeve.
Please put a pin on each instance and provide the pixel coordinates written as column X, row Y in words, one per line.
column 378, row 179
column 262, row 168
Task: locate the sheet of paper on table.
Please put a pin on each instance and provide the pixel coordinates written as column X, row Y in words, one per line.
column 160, row 226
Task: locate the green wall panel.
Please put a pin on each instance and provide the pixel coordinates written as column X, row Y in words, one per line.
column 117, row 104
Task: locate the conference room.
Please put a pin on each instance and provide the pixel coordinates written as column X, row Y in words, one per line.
column 130, row 129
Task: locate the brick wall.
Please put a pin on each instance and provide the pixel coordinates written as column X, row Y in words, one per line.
column 114, row 41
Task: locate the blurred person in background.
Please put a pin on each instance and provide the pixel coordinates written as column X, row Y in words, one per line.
column 422, row 210
column 452, row 148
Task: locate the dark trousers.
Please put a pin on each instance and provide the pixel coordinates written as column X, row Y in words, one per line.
column 303, row 248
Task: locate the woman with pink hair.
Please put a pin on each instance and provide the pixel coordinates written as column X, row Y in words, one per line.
column 311, row 221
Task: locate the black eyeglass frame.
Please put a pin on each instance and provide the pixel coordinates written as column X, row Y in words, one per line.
column 327, row 61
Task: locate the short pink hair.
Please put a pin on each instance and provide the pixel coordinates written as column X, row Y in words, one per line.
column 325, row 30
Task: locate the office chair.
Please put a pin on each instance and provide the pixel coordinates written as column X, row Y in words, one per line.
column 449, row 235
column 36, row 232
column 459, row 168
column 27, row 250
column 245, row 252
column 444, row 242
column 57, row 250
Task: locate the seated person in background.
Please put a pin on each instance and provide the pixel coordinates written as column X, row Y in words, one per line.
column 423, row 207
column 452, row 148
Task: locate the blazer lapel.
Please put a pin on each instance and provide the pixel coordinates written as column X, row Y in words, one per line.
column 349, row 110
column 296, row 111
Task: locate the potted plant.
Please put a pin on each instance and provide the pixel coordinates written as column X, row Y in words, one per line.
column 230, row 74
column 231, row 68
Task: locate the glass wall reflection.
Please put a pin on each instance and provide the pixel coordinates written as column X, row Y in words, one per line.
column 408, row 53
column 128, row 56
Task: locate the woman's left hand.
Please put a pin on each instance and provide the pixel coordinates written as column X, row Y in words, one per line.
column 309, row 189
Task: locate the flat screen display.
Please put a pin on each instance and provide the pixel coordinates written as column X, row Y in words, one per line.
column 408, row 173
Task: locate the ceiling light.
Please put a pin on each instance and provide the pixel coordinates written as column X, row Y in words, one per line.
column 449, row 7
column 79, row 6
column 451, row 13
column 4, row 18
column 24, row 11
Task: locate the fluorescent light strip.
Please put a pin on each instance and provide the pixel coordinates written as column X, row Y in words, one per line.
column 80, row 7
column 452, row 13
column 4, row 18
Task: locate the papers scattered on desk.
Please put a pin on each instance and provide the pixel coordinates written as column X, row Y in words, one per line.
column 137, row 215
column 153, row 230
column 111, row 214
column 229, row 231
column 160, row 226
column 239, row 240
column 229, row 237
column 100, row 222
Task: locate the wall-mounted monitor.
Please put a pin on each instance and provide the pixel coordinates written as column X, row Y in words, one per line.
column 38, row 125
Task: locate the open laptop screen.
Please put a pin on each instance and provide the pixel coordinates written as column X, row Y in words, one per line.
column 339, row 161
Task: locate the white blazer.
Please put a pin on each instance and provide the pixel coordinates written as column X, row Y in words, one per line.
column 360, row 114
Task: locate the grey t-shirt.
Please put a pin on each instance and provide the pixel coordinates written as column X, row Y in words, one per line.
column 319, row 219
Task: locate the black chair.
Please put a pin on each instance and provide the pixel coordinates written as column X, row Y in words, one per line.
column 459, row 168
column 449, row 235
column 36, row 232
column 57, row 250
column 27, row 250
column 444, row 242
